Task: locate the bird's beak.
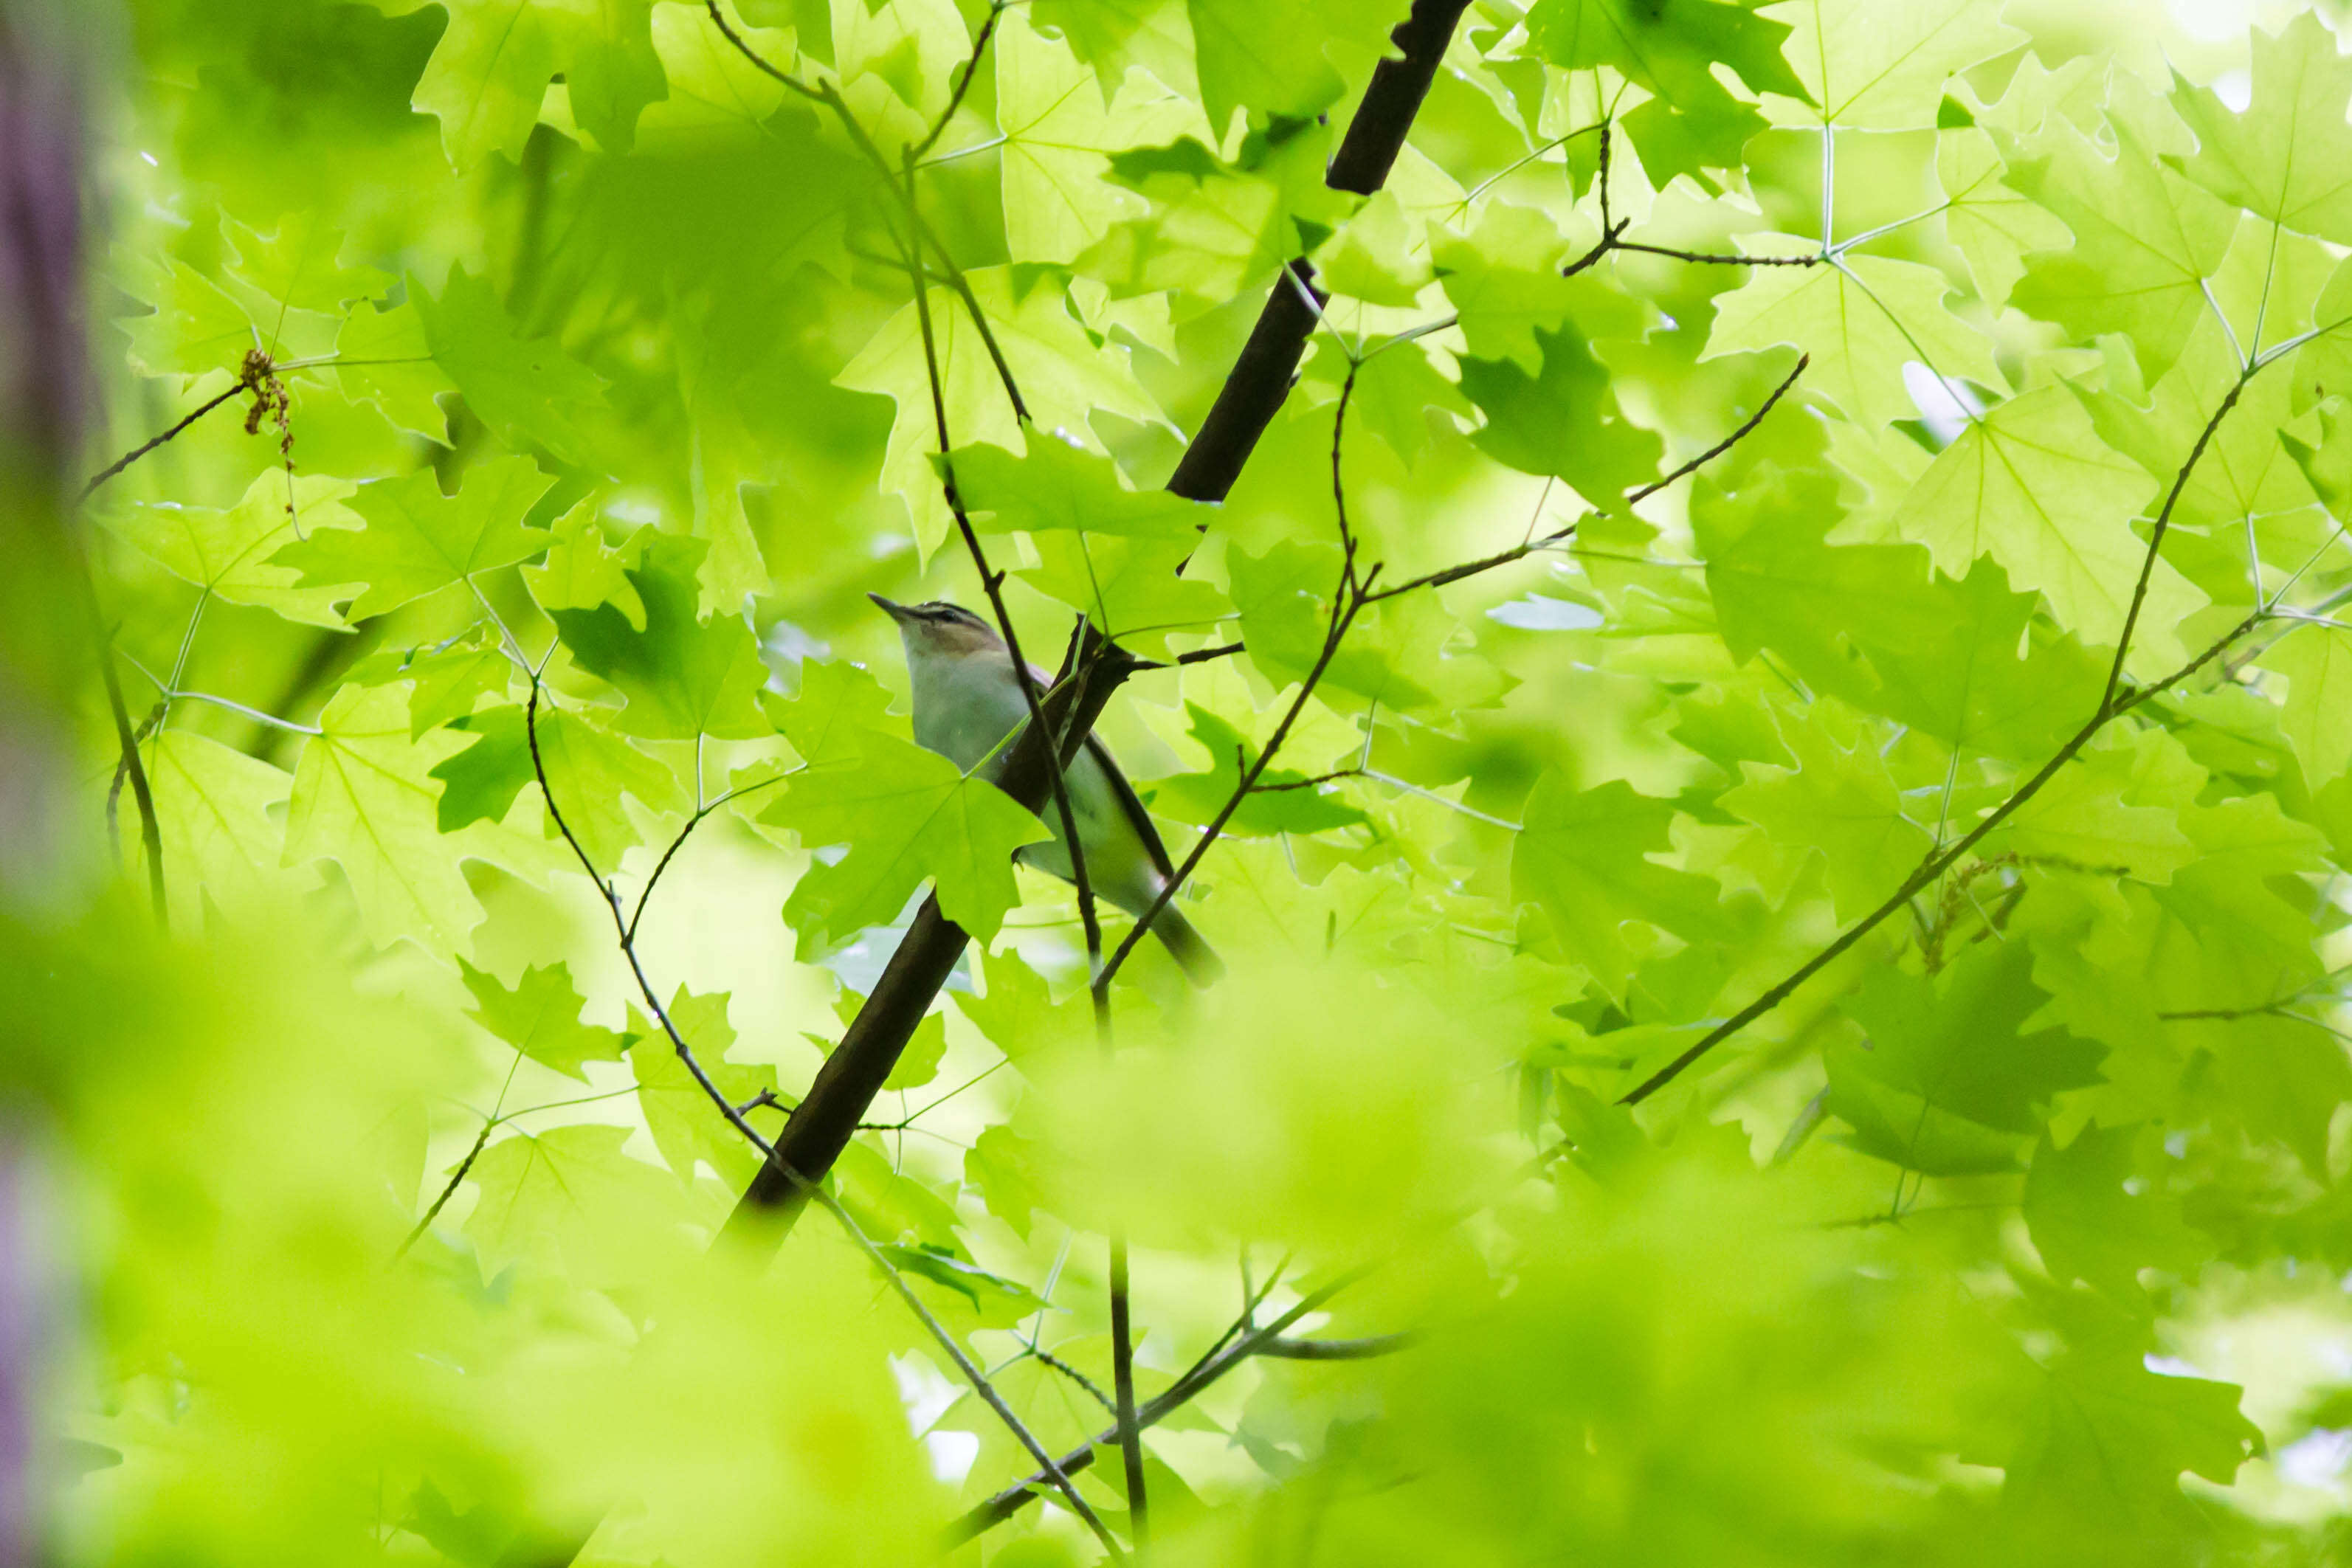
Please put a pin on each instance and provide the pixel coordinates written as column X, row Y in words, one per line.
column 897, row 611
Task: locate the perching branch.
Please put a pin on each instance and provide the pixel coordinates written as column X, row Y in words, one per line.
column 845, row 1085
column 991, row 583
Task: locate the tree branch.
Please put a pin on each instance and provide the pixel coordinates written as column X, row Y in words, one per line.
column 854, row 1073
column 1056, row 1473
column 1223, row 1357
column 1261, row 379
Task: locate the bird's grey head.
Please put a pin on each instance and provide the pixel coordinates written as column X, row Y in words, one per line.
column 938, row 627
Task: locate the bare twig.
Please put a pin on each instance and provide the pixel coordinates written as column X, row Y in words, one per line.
column 1056, row 1473
column 1337, row 1349
column 1348, row 598
column 143, row 448
column 1237, row 1344
column 962, row 84
column 624, row 930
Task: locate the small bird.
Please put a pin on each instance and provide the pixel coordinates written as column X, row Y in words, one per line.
column 966, row 702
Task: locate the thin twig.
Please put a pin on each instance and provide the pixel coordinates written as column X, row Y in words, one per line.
column 1057, row 1474
column 1934, row 867
column 622, row 930
column 1349, row 599
column 2156, row 537
column 1337, row 1349
column 1746, row 428
column 1203, row 655
column 1716, row 259
column 962, row 85
column 1236, row 1346
column 141, row 450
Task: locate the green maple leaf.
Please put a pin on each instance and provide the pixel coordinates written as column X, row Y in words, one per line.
column 2114, row 807
column 1065, row 379
column 1870, row 66
column 997, row 1302
column 1859, row 319
column 1991, row 226
column 838, row 707
column 528, row 391
column 383, row 358
column 1059, row 136
column 364, row 798
column 918, row 1063
column 1284, row 601
column 2091, row 1219
column 1843, row 802
column 583, row 571
column 1670, row 49
column 1117, row 37
column 1019, row 1014
column 1503, row 280
column 231, row 552
column 683, row 677
column 1564, row 422
column 2316, row 717
column 568, row 1193
column 540, row 1016
column 1271, row 54
column 449, row 683
column 588, row 768
column 2286, row 156
column 1585, row 858
column 678, row 1112
column 1874, row 624
column 280, row 293
column 2031, row 484
column 1003, row 1167
column 1950, row 1080
column 494, row 62
column 223, row 834
column 712, row 86
column 2111, row 1438
column 1058, row 485
column 1127, row 587
column 2245, row 470
column 1281, row 803
column 2287, row 1075
column 904, row 812
column 194, row 325
column 418, row 541
column 2145, row 242
column 1376, row 256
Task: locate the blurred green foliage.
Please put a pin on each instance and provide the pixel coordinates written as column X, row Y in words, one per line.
column 593, row 396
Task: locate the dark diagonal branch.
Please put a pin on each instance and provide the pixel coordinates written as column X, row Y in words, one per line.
column 1246, row 405
column 855, row 1072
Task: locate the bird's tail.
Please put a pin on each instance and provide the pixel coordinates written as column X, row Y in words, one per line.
column 1191, row 952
